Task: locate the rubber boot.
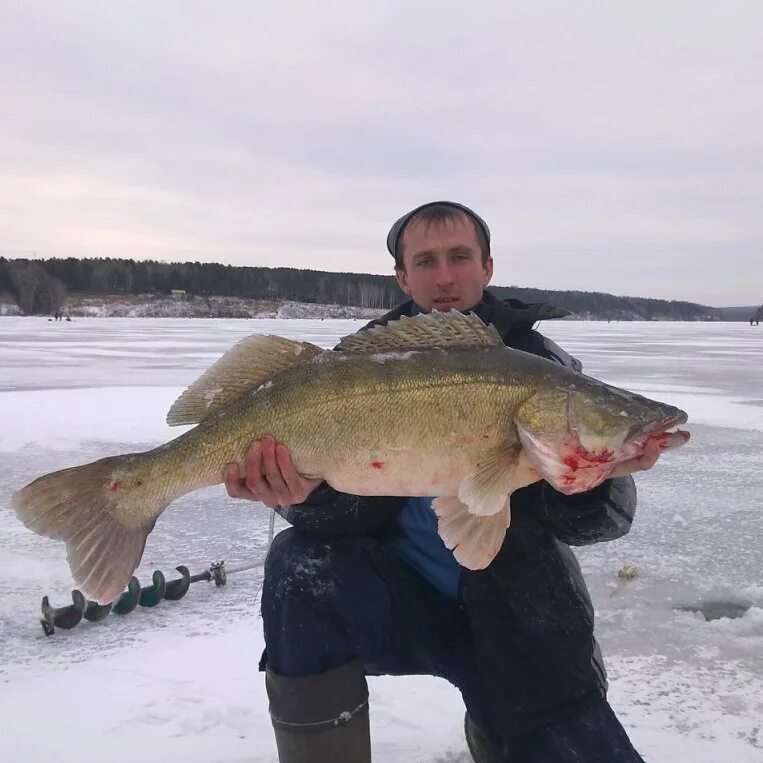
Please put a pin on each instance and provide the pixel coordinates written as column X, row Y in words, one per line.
column 323, row 718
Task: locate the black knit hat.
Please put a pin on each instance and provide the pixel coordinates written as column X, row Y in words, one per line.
column 396, row 231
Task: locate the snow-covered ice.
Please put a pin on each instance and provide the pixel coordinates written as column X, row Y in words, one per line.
column 179, row 682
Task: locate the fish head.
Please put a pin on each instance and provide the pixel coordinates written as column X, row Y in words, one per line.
column 576, row 434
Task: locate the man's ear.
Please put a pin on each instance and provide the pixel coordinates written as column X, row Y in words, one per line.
column 487, row 271
column 402, row 279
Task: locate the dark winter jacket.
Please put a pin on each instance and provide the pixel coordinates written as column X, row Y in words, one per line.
column 530, row 610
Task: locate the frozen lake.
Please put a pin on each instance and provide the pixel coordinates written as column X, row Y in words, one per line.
column 180, row 682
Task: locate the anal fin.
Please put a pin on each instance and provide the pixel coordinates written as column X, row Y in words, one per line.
column 474, row 540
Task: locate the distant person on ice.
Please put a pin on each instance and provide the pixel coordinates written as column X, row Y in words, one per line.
column 364, row 586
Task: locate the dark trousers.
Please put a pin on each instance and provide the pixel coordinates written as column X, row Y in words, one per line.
column 327, row 602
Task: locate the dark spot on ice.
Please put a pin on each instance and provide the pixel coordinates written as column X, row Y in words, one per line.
column 715, row 610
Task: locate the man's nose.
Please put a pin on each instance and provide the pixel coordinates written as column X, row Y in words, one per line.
column 444, row 275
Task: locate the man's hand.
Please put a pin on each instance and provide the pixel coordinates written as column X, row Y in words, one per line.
column 269, row 476
column 641, row 464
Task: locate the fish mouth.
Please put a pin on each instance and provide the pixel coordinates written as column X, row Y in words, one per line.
column 664, row 426
column 667, row 437
column 665, row 433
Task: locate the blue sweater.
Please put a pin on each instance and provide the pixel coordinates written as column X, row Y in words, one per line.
column 421, row 547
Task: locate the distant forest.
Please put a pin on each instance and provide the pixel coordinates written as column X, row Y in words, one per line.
column 41, row 287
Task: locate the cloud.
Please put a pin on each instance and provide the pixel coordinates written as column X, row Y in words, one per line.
column 611, row 148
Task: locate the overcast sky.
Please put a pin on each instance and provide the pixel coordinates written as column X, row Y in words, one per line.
column 610, row 146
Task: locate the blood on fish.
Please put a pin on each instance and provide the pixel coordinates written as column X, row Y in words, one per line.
column 572, row 462
column 114, row 486
column 583, row 458
column 601, row 458
column 377, row 464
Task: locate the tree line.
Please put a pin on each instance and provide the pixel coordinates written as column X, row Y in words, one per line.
column 41, row 286
column 38, row 284
column 600, row 306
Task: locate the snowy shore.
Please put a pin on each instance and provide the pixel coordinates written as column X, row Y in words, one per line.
column 198, row 306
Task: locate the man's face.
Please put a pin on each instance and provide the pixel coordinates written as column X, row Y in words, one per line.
column 443, row 267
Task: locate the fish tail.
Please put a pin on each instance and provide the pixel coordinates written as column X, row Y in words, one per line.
column 93, row 508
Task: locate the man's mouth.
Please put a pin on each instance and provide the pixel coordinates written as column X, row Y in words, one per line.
column 445, row 301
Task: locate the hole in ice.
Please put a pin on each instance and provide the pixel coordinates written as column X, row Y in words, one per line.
column 716, row 609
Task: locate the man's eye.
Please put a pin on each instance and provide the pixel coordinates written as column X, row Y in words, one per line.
column 425, row 263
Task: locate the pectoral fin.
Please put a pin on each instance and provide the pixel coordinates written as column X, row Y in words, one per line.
column 484, row 490
column 474, row 540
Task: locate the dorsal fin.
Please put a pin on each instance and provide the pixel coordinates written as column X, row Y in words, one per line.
column 247, row 364
column 436, row 329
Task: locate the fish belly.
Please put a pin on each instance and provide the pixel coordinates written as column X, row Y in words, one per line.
column 402, row 473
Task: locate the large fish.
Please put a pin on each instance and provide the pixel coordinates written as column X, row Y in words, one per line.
column 434, row 405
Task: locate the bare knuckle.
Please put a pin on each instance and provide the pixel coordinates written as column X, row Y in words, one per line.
column 254, row 484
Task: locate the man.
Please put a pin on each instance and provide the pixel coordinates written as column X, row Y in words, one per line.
column 364, row 586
